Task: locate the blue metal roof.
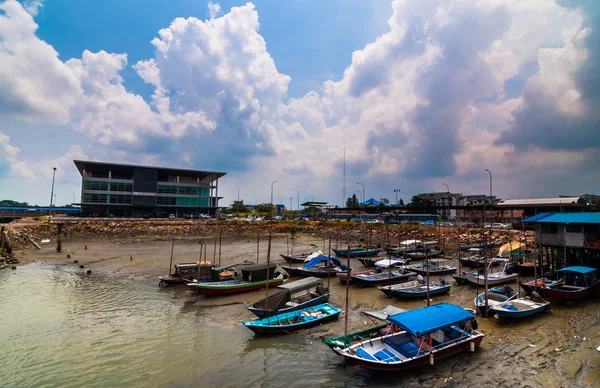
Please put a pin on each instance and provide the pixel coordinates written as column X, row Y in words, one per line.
column 579, row 269
column 429, row 319
column 45, row 209
column 565, row 218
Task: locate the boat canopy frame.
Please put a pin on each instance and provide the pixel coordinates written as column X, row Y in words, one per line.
column 430, row 319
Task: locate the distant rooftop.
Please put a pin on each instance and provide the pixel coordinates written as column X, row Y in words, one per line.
column 565, row 218
column 83, row 164
column 530, row 202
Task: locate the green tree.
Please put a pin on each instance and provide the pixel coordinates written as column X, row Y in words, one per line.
column 385, row 201
column 352, row 202
column 9, row 202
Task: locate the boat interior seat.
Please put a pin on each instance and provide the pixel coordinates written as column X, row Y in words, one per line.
column 408, row 349
column 360, row 352
column 386, row 355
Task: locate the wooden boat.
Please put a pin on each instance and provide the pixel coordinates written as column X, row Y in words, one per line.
column 460, row 278
column 372, row 332
column 538, row 284
column 296, row 258
column 493, row 278
column 404, row 247
column 357, row 252
column 320, row 266
column 479, row 246
column 294, row 320
column 253, row 277
column 430, row 248
column 579, row 282
column 475, row 258
column 232, row 286
column 427, row 334
column 381, row 277
column 372, row 261
column 291, row 296
column 518, row 308
column 436, row 267
column 496, row 295
column 187, row 273
column 414, row 289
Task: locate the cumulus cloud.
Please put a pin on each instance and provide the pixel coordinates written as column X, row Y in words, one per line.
column 429, row 98
column 12, row 165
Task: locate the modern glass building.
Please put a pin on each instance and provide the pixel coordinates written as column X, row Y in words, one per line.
column 139, row 191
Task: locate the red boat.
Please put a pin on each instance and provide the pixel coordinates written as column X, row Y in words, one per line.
column 579, row 282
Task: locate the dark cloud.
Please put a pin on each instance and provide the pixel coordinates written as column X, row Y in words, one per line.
column 538, row 122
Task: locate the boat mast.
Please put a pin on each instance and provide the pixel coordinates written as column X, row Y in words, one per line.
column 347, row 292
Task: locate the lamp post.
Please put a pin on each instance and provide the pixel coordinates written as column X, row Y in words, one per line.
column 272, row 183
column 448, row 214
column 397, row 191
column 491, row 199
column 363, row 192
column 52, row 192
column 255, row 200
column 238, row 190
column 311, row 198
column 297, row 192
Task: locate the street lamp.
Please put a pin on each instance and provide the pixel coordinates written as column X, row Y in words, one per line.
column 491, row 200
column 363, row 193
column 255, row 200
column 297, row 192
column 448, row 214
column 311, row 198
column 238, row 190
column 272, row 183
column 359, row 193
column 397, row 191
column 52, row 192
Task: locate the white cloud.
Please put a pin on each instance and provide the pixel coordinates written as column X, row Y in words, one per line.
column 15, row 167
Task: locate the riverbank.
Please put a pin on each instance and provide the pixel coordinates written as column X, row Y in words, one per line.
column 555, row 349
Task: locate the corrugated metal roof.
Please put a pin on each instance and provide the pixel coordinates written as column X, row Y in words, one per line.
column 542, row 201
column 565, row 218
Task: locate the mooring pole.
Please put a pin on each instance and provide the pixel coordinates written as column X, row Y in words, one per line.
column 171, row 262
column 347, row 295
column 59, row 240
column 257, row 243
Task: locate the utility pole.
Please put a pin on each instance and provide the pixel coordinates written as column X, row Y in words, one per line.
column 52, row 192
column 297, row 192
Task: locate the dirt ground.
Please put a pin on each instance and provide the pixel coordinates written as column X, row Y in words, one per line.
column 554, row 349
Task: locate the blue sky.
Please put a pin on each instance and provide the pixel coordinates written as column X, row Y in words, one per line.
column 418, row 93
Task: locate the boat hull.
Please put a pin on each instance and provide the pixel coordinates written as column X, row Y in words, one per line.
column 357, row 253
column 317, row 273
column 266, row 326
column 209, row 289
column 403, row 294
column 415, row 362
column 358, row 281
column 313, row 302
column 295, row 258
column 562, row 295
column 460, row 278
column 423, row 272
column 480, row 281
column 518, row 314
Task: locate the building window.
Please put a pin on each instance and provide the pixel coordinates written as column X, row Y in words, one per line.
column 95, row 185
column 192, row 201
column 94, row 198
column 188, row 190
column 166, row 201
column 116, row 198
column 121, row 186
column 166, row 189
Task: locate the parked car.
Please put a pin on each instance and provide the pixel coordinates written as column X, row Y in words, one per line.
column 498, row 225
column 171, row 215
column 428, row 223
column 392, row 221
column 447, row 224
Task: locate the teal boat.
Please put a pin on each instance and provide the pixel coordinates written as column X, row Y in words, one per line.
column 351, row 338
column 357, row 252
column 295, row 320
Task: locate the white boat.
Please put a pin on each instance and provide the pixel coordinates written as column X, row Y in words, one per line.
column 519, row 308
column 493, row 278
column 496, row 295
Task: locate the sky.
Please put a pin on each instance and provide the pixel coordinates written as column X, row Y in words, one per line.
column 415, row 93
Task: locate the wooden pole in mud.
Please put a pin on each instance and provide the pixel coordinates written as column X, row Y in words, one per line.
column 347, row 293
column 171, row 262
column 59, row 238
column 328, row 254
column 427, row 269
column 220, row 239
column 268, row 266
column 257, row 243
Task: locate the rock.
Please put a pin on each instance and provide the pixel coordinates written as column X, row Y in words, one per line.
column 89, row 271
column 13, row 267
column 75, row 261
column 81, row 266
column 68, row 256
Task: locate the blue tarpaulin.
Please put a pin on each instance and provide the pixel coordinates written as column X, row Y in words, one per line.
column 578, row 269
column 565, row 218
column 426, row 320
column 319, row 259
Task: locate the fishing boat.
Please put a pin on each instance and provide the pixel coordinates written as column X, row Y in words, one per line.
column 253, row 277
column 296, row 258
column 579, row 282
column 430, row 248
column 436, row 267
column 493, row 278
column 479, row 246
column 538, row 284
column 460, row 278
column 519, row 308
column 404, row 247
column 358, row 252
column 415, row 289
column 294, row 320
column 187, row 273
column 291, row 296
column 427, row 334
column 475, row 258
column 372, row 332
column 495, row 295
column 380, row 277
column 320, row 266
column 372, row 261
